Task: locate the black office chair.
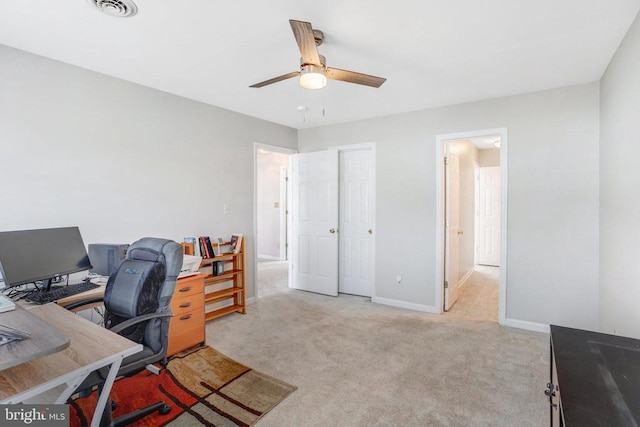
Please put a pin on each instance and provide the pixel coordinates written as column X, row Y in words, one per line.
column 137, row 305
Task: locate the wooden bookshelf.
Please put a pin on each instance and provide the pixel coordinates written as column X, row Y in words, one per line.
column 225, row 293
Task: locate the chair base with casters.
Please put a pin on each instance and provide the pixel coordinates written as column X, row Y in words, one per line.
column 131, row 417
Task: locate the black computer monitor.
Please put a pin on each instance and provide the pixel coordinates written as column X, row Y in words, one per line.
column 30, row 256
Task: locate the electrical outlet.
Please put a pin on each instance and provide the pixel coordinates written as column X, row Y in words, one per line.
column 226, row 209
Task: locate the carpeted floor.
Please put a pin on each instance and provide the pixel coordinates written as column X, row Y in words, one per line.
column 357, row 363
column 202, row 386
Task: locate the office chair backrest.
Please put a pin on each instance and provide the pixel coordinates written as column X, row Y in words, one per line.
column 144, row 283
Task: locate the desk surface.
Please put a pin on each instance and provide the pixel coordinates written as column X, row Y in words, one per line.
column 598, row 376
column 90, row 346
column 43, row 340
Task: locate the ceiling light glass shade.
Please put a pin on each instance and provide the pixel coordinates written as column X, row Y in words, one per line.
column 312, row 77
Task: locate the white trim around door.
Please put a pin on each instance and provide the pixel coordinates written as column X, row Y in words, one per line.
column 254, row 255
column 439, row 267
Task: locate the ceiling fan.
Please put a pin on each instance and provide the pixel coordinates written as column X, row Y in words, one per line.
column 313, row 66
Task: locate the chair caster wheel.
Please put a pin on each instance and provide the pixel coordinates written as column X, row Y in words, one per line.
column 164, row 410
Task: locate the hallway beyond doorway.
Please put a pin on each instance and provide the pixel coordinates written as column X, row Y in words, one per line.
column 273, row 277
column 478, row 297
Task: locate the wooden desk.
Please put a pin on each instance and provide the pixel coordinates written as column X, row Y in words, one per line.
column 43, row 340
column 92, row 347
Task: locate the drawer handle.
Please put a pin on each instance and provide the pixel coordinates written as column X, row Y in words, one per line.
column 187, row 317
column 185, row 289
column 186, row 305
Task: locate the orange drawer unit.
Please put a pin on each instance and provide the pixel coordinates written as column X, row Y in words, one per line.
column 187, row 305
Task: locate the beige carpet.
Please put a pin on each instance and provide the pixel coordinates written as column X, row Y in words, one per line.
column 362, row 364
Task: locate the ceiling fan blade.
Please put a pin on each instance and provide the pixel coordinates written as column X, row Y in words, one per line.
column 303, row 32
column 353, row 77
column 277, row 79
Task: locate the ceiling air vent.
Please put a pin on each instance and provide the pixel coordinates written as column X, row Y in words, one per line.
column 120, row 8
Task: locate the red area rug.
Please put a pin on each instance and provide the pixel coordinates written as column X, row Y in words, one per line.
column 203, row 387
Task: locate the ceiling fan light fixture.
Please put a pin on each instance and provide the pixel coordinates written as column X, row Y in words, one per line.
column 312, row 77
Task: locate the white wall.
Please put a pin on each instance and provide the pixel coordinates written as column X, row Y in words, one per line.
column 120, row 160
column 620, row 196
column 552, row 272
column 268, row 216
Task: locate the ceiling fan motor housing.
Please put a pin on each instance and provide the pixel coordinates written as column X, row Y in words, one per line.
column 318, row 68
column 312, row 76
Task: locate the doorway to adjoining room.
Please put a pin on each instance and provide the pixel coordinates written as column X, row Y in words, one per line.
column 272, row 225
column 472, row 226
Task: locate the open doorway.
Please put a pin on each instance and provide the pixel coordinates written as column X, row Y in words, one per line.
column 272, row 227
column 472, row 227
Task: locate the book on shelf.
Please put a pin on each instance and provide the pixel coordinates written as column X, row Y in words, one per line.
column 235, row 243
column 210, row 251
column 203, row 247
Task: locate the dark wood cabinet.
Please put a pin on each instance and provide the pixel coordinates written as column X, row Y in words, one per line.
column 594, row 379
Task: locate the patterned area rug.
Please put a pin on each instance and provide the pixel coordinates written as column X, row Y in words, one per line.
column 203, row 387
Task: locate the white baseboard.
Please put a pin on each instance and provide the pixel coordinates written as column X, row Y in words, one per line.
column 529, row 326
column 403, row 304
column 271, row 257
column 466, row 277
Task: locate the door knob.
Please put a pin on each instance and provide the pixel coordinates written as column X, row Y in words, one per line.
column 333, row 230
column 370, row 231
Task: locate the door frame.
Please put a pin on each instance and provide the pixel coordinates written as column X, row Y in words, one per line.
column 254, row 254
column 284, row 209
column 355, row 147
column 439, row 214
column 451, row 270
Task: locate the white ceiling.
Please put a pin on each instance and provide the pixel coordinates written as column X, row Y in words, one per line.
column 433, row 53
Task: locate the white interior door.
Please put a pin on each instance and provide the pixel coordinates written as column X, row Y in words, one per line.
column 489, row 216
column 314, row 212
column 452, row 229
column 356, row 222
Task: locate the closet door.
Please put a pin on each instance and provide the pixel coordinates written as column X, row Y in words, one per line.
column 356, row 222
column 314, row 243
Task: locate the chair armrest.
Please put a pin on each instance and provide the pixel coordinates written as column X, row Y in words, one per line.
column 127, row 323
column 74, row 305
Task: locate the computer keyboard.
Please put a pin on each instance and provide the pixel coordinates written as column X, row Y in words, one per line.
column 42, row 296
